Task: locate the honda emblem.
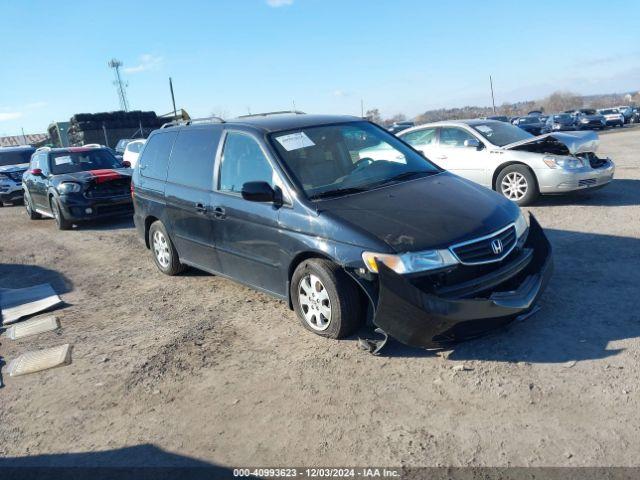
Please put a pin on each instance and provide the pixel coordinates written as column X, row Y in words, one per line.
column 496, row 246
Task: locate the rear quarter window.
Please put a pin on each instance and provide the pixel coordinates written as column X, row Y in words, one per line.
column 155, row 156
column 193, row 156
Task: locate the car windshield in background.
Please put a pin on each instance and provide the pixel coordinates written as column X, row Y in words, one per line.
column 500, row 133
column 335, row 160
column 15, row 157
column 563, row 118
column 70, row 162
column 609, row 111
column 527, row 120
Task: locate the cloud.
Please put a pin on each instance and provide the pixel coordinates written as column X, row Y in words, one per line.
column 279, row 3
column 5, row 116
column 341, row 93
column 35, row 105
column 147, row 62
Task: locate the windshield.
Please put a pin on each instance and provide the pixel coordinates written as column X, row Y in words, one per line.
column 81, row 161
column 15, row 157
column 563, row 118
column 526, row 120
column 500, row 133
column 609, row 111
column 346, row 158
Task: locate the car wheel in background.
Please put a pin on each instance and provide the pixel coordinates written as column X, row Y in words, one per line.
column 165, row 255
column 31, row 213
column 325, row 299
column 517, row 183
column 61, row 222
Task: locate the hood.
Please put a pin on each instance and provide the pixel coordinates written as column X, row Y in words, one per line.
column 431, row 212
column 14, row 168
column 95, row 176
column 558, row 143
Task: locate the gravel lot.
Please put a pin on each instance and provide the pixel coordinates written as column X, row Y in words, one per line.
column 199, row 367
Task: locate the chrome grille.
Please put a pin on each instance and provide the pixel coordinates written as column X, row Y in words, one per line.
column 491, row 248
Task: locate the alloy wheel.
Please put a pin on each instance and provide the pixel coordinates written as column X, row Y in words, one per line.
column 161, row 249
column 314, row 302
column 514, row 186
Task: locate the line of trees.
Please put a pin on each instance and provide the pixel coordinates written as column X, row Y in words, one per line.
column 556, row 102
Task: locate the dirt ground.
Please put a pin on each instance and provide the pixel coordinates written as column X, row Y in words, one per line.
column 197, row 367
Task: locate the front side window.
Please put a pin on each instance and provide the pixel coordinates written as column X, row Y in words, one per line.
column 454, row 137
column 243, row 161
column 81, row 161
column 333, row 160
column 420, row 137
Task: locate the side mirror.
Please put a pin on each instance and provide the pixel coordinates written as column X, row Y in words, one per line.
column 258, row 192
column 126, row 164
column 36, row 171
column 472, row 143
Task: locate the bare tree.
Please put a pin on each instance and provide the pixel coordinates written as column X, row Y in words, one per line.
column 373, row 115
column 562, row 100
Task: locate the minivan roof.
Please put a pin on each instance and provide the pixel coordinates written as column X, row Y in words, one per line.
column 279, row 122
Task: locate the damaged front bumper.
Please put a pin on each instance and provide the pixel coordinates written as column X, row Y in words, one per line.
column 432, row 317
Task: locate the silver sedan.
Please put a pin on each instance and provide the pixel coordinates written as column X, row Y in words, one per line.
column 511, row 161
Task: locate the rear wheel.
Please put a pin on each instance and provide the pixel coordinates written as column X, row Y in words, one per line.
column 61, row 222
column 165, row 255
column 31, row 213
column 325, row 299
column 517, row 183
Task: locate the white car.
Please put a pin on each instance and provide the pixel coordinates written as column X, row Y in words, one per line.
column 507, row 159
column 132, row 151
column 612, row 116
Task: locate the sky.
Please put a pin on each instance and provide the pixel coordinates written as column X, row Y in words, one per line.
column 231, row 57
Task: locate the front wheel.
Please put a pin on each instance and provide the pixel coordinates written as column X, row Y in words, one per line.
column 61, row 222
column 517, row 183
column 325, row 299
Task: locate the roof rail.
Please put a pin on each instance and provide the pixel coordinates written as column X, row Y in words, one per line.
column 192, row 121
column 93, row 145
column 43, row 149
column 296, row 112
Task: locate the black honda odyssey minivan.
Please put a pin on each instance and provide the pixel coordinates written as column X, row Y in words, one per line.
column 340, row 219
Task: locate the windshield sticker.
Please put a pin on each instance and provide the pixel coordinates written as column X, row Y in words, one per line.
column 484, row 129
column 62, row 160
column 295, row 141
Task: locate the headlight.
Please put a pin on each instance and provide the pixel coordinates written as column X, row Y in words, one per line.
column 557, row 126
column 410, row 262
column 584, row 120
column 521, row 225
column 69, row 187
column 568, row 163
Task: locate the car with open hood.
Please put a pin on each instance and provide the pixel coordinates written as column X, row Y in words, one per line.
column 511, row 161
column 14, row 161
column 76, row 184
column 294, row 205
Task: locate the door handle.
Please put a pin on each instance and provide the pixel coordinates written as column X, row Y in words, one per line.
column 219, row 213
column 200, row 208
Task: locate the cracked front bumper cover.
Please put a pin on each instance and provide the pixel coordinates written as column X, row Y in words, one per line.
column 419, row 318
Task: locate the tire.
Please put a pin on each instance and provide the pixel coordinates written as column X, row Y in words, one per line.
column 164, row 253
column 511, row 180
column 330, row 287
column 61, row 222
column 31, row 213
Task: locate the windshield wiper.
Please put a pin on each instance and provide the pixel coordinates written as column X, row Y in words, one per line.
column 405, row 176
column 338, row 192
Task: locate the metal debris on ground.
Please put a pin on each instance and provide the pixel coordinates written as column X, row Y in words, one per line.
column 33, row 327
column 37, row 361
column 22, row 302
column 461, row 368
column 371, row 345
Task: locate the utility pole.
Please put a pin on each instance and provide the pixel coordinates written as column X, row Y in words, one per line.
column 24, row 137
column 173, row 100
column 119, row 83
column 293, row 104
column 362, row 108
column 493, row 101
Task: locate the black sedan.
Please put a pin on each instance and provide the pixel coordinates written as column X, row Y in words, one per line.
column 531, row 124
column 560, row 122
column 76, row 184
